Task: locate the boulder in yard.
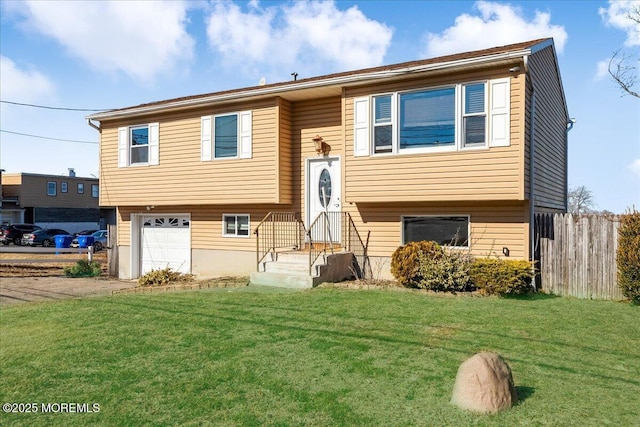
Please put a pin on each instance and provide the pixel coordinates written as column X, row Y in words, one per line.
column 484, row 384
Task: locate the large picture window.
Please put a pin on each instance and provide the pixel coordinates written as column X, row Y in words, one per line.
column 428, row 118
column 444, row 230
column 235, row 225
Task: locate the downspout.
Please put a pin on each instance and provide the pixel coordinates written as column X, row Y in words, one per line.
column 90, row 123
column 532, row 135
column 570, row 124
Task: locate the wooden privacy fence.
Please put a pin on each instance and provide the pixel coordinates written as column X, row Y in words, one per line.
column 577, row 255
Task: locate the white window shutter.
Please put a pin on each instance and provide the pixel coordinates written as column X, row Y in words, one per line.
column 361, row 126
column 154, row 143
column 205, row 138
column 123, row 147
column 244, row 132
column 500, row 124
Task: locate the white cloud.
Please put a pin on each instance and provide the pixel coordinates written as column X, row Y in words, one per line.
column 139, row 38
column 634, row 167
column 496, row 25
column 308, row 37
column 602, row 70
column 617, row 15
column 22, row 85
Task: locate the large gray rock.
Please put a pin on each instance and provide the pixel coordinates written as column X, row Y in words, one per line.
column 484, row 384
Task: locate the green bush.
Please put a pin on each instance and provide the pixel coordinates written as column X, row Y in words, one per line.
column 502, row 277
column 628, row 256
column 162, row 277
column 446, row 273
column 405, row 261
column 83, row 268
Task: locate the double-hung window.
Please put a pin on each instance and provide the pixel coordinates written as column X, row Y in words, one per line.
column 382, row 125
column 138, row 145
column 445, row 118
column 51, row 188
column 235, row 225
column 226, row 136
column 474, row 117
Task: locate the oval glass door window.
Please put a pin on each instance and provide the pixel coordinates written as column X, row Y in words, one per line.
column 324, row 183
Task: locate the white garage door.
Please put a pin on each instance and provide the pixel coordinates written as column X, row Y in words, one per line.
column 165, row 242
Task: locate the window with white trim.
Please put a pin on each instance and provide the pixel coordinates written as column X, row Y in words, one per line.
column 63, row 187
column 226, row 136
column 51, row 188
column 80, row 188
column 444, row 230
column 138, row 145
column 235, row 225
column 95, row 190
column 448, row 118
column 474, row 115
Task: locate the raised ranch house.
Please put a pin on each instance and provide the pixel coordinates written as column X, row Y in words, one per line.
column 462, row 149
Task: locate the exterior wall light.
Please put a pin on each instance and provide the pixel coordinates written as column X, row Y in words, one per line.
column 320, row 146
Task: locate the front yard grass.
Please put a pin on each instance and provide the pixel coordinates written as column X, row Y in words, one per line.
column 322, row 357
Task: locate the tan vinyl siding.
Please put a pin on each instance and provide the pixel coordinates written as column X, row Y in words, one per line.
column 206, row 223
column 319, row 117
column 487, row 174
column 182, row 178
column 285, row 151
column 550, row 156
column 492, row 225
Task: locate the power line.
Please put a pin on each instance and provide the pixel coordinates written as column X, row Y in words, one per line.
column 52, row 108
column 46, row 137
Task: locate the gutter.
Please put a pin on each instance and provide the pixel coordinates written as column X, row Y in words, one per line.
column 309, row 84
column 93, row 125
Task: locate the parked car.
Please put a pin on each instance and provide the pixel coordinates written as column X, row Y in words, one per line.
column 99, row 240
column 13, row 233
column 84, row 233
column 44, row 237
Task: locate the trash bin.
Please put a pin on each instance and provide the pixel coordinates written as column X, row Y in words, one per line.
column 63, row 240
column 85, row 241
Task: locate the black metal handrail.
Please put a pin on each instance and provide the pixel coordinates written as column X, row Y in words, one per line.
column 276, row 231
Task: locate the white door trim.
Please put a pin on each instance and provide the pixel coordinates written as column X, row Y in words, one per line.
column 308, row 193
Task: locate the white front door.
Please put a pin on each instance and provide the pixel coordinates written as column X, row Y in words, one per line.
column 323, row 195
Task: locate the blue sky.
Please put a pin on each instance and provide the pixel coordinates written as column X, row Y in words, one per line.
column 103, row 55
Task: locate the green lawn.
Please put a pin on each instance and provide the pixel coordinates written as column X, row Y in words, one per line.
column 322, row 357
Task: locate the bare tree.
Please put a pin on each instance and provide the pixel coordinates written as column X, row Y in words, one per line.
column 580, row 200
column 622, row 65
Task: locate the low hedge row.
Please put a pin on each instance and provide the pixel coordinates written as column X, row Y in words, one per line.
column 426, row 265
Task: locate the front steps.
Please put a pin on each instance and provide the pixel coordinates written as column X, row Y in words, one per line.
column 291, row 270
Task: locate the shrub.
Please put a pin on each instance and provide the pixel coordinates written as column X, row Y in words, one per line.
column 628, row 256
column 405, row 261
column 163, row 277
column 502, row 277
column 446, row 273
column 83, row 268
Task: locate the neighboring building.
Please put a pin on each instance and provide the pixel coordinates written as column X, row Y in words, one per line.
column 464, row 148
column 55, row 201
